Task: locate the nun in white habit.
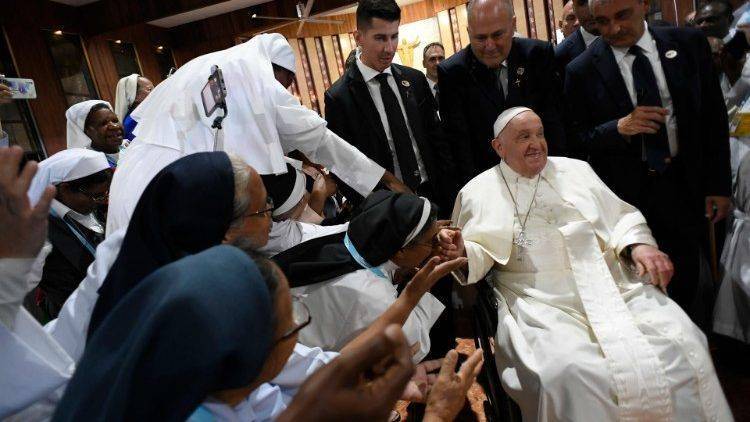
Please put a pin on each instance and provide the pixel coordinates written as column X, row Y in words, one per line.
column 293, row 220
column 264, row 122
column 93, row 125
column 130, row 92
column 580, row 336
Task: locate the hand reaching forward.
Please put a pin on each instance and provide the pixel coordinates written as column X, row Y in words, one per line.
column 448, row 394
column 451, row 243
column 421, row 383
column 430, row 273
column 648, row 259
column 339, row 391
column 23, row 228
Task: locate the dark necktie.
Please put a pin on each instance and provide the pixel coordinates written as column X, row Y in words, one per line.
column 647, row 93
column 407, row 160
column 499, row 81
column 437, row 95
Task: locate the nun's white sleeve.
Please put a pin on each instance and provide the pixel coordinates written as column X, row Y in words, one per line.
column 32, row 364
column 302, row 129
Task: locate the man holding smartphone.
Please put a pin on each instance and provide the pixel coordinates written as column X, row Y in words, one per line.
column 5, row 95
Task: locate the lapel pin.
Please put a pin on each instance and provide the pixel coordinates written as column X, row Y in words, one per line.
column 405, row 83
column 671, row 54
column 520, row 71
column 518, row 83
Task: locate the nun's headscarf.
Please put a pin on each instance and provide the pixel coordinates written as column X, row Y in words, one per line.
column 65, row 166
column 387, row 222
column 286, row 189
column 180, row 335
column 172, row 115
column 76, row 116
column 186, row 208
column 280, row 52
column 125, row 95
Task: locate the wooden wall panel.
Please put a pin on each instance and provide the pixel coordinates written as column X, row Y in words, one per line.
column 32, row 59
column 330, row 55
column 463, row 24
column 519, row 8
column 316, row 73
column 346, row 45
column 446, row 32
column 540, row 19
column 300, row 77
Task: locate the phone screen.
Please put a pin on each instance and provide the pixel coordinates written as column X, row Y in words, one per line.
column 210, row 97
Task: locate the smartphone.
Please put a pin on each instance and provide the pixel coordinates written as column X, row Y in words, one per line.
column 214, row 93
column 21, row 89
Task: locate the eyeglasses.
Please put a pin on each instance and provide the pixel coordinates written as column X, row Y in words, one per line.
column 269, row 208
column 300, row 318
column 102, row 197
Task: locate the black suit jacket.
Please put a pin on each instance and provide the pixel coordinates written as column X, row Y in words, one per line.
column 65, row 266
column 351, row 114
column 470, row 101
column 568, row 49
column 597, row 98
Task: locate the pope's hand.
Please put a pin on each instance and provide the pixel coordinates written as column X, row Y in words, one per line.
column 656, row 263
column 451, row 243
column 24, row 228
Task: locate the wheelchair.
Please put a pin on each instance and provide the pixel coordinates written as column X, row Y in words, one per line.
column 499, row 407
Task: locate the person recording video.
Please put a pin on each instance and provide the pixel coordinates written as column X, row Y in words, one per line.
column 5, row 96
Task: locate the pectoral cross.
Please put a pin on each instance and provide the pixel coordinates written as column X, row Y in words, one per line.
column 522, row 241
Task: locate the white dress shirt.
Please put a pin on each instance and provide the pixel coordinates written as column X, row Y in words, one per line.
column 588, row 37
column 88, row 220
column 369, row 74
column 625, row 62
column 433, row 87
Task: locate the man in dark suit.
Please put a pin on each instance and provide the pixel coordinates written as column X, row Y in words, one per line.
column 387, row 110
column 577, row 42
column 492, row 74
column 644, row 104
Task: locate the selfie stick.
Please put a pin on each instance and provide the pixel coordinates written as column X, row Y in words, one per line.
column 222, row 105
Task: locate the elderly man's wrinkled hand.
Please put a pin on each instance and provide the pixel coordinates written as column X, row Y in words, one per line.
column 451, row 243
column 24, row 228
column 656, row 263
column 644, row 119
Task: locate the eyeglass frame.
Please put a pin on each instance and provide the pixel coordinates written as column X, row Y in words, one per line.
column 292, row 331
column 269, row 209
column 96, row 198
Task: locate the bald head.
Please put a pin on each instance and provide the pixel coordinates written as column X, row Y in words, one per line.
column 491, row 24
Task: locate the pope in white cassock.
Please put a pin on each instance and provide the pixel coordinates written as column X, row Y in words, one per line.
column 581, row 335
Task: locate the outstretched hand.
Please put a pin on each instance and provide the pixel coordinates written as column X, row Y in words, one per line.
column 449, row 391
column 429, row 274
column 24, row 228
column 361, row 384
column 421, row 383
column 451, row 243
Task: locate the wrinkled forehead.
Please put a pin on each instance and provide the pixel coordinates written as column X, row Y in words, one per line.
column 524, row 121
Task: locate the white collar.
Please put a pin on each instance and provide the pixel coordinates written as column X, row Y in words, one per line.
column 513, row 176
column 369, row 73
column 588, row 37
column 88, row 221
column 389, row 269
column 432, row 83
column 646, row 42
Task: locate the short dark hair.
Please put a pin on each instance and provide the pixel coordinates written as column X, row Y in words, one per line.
column 387, row 10
column 102, row 176
column 93, row 110
column 430, row 45
column 581, row 2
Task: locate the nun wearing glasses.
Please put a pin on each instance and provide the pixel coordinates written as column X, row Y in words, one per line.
column 82, row 178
